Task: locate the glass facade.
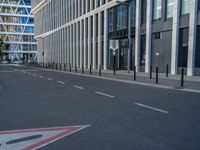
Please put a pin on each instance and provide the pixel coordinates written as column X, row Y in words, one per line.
column 122, row 17
column 157, row 9
column 170, row 5
column 185, row 7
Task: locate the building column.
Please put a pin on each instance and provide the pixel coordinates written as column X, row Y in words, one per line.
column 74, row 45
column 175, row 37
column 99, row 39
column 94, row 41
column 81, row 45
column 89, row 41
column 77, row 44
column 71, row 50
column 68, row 45
column 105, row 39
column 137, row 35
column 85, row 43
column 192, row 38
column 148, row 36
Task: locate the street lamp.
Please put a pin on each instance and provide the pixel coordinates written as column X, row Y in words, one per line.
column 128, row 3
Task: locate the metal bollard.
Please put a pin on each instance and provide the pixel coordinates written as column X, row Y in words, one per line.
column 60, row 66
column 64, row 67
column 167, row 70
column 56, row 66
column 99, row 70
column 156, row 75
column 134, row 73
column 114, row 69
column 182, row 77
column 76, row 68
column 82, row 69
column 151, row 68
column 70, row 68
column 90, row 69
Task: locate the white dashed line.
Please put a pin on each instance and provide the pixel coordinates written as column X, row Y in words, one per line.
column 41, row 76
column 152, row 108
column 49, row 79
column 78, row 87
column 104, row 94
column 61, row 82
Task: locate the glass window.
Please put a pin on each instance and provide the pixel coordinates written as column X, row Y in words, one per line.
column 111, row 20
column 122, row 16
column 198, row 5
column 185, row 7
column 170, row 5
column 157, row 9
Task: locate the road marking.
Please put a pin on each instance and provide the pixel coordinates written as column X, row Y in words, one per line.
column 49, row 79
column 41, row 76
column 34, row 75
column 61, row 82
column 152, row 108
column 32, row 139
column 78, row 87
column 104, row 94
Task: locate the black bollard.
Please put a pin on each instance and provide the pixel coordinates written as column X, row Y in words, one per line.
column 76, row 68
column 134, row 69
column 82, row 69
column 70, row 68
column 182, row 77
column 156, row 75
column 114, row 69
column 56, row 66
column 167, row 70
column 99, row 70
column 64, row 67
column 90, row 69
column 151, row 68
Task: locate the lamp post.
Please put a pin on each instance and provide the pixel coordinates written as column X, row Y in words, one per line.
column 128, row 3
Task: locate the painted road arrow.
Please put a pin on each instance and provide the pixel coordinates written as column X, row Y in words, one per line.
column 32, row 139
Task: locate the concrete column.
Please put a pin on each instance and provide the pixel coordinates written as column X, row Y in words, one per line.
column 105, row 39
column 148, row 35
column 175, row 37
column 94, row 41
column 89, row 41
column 71, row 49
column 77, row 45
column 99, row 39
column 81, row 45
column 192, row 37
column 74, row 44
column 137, row 35
column 91, row 4
column 68, row 45
column 79, row 8
column 85, row 43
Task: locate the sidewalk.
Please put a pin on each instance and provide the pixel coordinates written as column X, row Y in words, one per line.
column 172, row 82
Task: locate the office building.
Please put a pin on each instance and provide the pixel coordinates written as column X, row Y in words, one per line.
column 95, row 32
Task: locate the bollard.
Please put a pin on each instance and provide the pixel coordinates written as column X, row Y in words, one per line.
column 182, row 77
column 56, row 66
column 76, row 68
column 82, row 69
column 60, row 66
column 90, row 69
column 114, row 69
column 156, row 75
column 99, row 70
column 70, row 68
column 151, row 71
column 64, row 67
column 167, row 70
column 134, row 69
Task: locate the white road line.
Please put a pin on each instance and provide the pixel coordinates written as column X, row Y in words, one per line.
column 41, row 76
column 152, row 108
column 61, row 82
column 78, row 87
column 49, row 79
column 34, row 75
column 104, row 94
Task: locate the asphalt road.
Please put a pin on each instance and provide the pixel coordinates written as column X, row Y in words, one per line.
column 122, row 116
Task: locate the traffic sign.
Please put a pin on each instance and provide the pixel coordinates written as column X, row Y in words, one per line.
column 32, row 139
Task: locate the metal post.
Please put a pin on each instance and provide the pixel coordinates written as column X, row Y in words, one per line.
column 134, row 73
column 64, row 67
column 70, row 68
column 82, row 69
column 99, row 70
column 75, row 68
column 114, row 69
column 182, row 77
column 167, row 70
column 156, row 75
column 151, row 68
column 90, row 69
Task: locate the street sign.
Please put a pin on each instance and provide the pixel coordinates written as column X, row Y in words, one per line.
column 32, row 139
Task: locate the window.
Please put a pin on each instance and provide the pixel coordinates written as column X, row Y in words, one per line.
column 170, row 5
column 122, row 17
column 185, row 7
column 157, row 9
column 199, row 5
